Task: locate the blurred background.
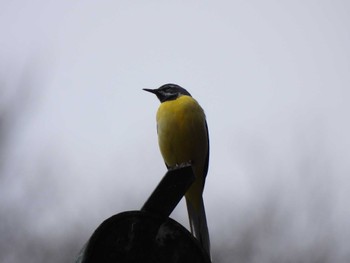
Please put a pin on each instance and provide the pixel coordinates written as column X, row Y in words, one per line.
column 78, row 136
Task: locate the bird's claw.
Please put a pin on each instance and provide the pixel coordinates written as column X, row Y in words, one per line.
column 181, row 165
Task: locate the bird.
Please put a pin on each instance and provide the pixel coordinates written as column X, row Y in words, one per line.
column 183, row 138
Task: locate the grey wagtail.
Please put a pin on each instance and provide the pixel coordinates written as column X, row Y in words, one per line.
column 183, row 138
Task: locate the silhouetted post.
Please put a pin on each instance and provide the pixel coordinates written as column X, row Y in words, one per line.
column 169, row 191
column 148, row 235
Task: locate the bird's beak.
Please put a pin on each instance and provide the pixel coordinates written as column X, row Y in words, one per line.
column 154, row 91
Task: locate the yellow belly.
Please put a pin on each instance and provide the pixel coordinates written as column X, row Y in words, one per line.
column 182, row 135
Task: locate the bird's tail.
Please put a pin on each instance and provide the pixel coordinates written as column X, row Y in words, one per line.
column 198, row 223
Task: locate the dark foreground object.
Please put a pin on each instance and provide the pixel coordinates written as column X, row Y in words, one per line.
column 170, row 190
column 148, row 235
column 139, row 236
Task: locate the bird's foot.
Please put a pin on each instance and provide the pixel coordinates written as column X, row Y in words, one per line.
column 181, row 165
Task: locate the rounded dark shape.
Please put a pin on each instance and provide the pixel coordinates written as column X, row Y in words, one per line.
column 138, row 236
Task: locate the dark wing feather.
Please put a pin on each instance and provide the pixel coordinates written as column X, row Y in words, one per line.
column 206, row 165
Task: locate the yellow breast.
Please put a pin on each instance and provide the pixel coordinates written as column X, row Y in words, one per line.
column 182, row 133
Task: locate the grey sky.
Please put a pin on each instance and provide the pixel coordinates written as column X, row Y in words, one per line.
column 272, row 76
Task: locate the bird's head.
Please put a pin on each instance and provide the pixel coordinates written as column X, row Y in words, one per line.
column 168, row 92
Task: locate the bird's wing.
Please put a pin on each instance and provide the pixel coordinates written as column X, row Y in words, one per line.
column 206, row 165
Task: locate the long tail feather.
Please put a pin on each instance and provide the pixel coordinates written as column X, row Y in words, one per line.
column 198, row 224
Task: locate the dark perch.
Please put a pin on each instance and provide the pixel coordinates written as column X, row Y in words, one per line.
column 148, row 235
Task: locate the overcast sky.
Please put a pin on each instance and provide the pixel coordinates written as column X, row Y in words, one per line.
column 80, row 143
